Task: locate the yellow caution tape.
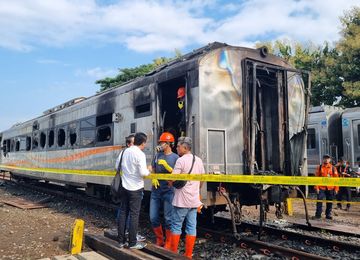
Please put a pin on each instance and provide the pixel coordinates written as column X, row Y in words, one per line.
column 327, row 201
column 233, row 178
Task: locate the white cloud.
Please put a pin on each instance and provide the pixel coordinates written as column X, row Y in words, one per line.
column 147, row 26
column 97, row 73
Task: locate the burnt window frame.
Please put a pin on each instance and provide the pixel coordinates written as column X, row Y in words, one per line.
column 35, row 135
column 83, row 128
column 44, row 133
column 100, row 124
column 58, row 128
column 28, row 143
column 53, row 146
column 308, row 135
column 145, row 113
column 17, row 144
column 22, row 140
column 70, row 127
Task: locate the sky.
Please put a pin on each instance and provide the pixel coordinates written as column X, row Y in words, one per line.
column 54, row 51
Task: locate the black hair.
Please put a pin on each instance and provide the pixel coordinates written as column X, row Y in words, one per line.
column 128, row 140
column 140, row 138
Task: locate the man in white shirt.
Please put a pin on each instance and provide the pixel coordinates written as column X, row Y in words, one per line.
column 134, row 169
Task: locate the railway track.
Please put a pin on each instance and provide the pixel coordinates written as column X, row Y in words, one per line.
column 275, row 242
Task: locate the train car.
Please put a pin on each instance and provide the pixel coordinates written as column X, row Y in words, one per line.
column 324, row 135
column 245, row 109
column 351, row 136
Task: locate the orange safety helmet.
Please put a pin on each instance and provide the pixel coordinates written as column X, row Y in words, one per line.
column 166, row 137
column 181, row 92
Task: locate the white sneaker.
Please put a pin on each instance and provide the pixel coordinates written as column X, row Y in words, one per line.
column 140, row 238
column 138, row 245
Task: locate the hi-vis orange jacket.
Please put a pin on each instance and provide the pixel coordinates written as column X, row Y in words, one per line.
column 327, row 170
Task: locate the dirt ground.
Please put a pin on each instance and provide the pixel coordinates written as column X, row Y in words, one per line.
column 45, row 232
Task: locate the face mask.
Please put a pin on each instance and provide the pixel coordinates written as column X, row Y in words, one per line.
column 159, row 148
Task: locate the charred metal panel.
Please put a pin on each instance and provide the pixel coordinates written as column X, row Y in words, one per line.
column 221, row 107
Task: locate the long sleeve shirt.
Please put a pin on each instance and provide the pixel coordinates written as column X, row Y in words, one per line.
column 133, row 168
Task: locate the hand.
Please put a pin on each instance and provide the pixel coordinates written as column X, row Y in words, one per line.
column 149, row 168
column 165, row 165
column 200, row 207
column 170, row 183
column 155, row 183
column 317, row 191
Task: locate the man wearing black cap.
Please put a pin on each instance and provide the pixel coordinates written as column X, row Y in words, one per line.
column 326, row 169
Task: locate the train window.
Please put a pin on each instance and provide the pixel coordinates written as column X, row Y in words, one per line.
column 103, row 134
column 311, row 139
column 89, row 122
column 61, row 137
column 104, row 119
column 22, row 143
column 143, row 110
column 42, row 139
column 12, row 145
column 35, row 141
column 17, row 145
column 7, row 146
column 72, row 134
column 87, row 137
column 28, row 143
column 4, row 147
column 358, row 135
column 51, row 138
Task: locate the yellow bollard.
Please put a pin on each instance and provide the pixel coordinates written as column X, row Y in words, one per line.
column 77, row 234
column 289, row 207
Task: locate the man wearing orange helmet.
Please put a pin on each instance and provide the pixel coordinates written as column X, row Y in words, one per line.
column 162, row 194
column 181, row 106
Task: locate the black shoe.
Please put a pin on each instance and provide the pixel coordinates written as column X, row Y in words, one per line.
column 329, row 217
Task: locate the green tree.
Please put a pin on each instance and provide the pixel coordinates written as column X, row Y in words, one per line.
column 127, row 74
column 349, row 58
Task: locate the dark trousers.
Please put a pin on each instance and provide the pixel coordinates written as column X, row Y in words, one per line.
column 130, row 205
column 328, row 195
column 344, row 192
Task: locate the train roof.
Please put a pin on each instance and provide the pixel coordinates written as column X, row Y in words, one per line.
column 183, row 63
column 352, row 112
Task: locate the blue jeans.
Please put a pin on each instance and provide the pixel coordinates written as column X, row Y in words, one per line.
column 328, row 195
column 157, row 200
column 187, row 214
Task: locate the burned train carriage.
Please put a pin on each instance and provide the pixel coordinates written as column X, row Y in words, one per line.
column 244, row 108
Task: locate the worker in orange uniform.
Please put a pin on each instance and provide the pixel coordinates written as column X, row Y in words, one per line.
column 181, row 112
column 162, row 193
column 326, row 169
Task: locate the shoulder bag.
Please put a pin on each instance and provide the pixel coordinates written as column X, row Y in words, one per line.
column 181, row 184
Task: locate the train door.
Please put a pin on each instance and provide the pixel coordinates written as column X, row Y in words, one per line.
column 172, row 100
column 356, row 142
column 313, row 147
column 264, row 108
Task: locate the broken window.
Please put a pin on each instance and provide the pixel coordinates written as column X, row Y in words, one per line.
column 42, row 139
column 51, row 138
column 311, row 139
column 103, row 134
column 143, row 110
column 17, row 145
column 28, row 143
column 61, row 137
column 4, row 147
column 72, row 134
column 104, row 119
column 35, row 140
